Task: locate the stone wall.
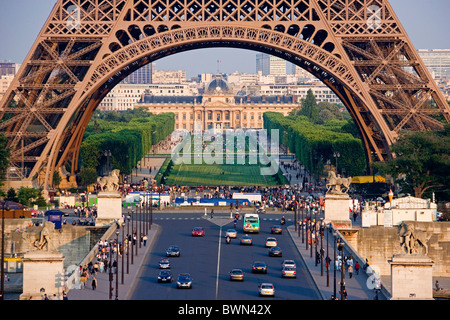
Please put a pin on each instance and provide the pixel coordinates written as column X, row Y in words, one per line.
column 379, row 244
column 74, row 242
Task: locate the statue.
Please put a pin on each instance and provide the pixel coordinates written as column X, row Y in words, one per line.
column 335, row 182
column 109, row 183
column 44, row 238
column 411, row 240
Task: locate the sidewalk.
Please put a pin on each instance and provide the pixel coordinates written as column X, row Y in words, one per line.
column 126, row 289
column 357, row 287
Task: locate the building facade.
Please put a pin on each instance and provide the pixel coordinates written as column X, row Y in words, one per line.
column 218, row 108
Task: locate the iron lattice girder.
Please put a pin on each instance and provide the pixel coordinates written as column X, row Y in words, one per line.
column 358, row 48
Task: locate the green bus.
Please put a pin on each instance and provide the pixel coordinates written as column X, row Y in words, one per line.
column 251, row 222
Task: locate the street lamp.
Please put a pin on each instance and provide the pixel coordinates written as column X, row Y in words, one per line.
column 129, row 242
column 107, row 155
column 117, row 264
column 2, row 293
column 342, row 283
column 123, row 249
column 334, row 263
column 336, row 155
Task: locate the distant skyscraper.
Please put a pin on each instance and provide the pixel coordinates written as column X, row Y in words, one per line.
column 437, row 61
column 140, row 76
column 272, row 65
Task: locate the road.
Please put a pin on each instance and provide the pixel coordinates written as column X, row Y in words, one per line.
column 209, row 260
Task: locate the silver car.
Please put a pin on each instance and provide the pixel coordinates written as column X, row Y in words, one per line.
column 289, row 272
column 266, row 289
column 288, row 263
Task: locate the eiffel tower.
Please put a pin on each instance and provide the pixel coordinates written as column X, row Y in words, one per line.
column 358, row 48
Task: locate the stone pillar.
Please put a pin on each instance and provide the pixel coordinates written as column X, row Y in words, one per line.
column 411, row 277
column 43, row 273
column 109, row 207
column 337, row 210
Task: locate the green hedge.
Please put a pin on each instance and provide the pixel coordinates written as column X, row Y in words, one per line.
column 314, row 144
column 127, row 141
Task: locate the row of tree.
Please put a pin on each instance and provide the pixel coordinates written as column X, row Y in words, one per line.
column 120, row 141
column 316, row 145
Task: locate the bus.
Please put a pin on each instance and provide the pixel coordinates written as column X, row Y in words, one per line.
column 251, row 222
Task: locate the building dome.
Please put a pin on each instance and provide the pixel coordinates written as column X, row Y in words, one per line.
column 218, row 86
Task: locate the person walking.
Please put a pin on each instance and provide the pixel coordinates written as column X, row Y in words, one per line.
column 350, row 271
column 357, row 267
column 94, row 283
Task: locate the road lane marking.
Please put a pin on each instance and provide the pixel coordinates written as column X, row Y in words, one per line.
column 218, row 263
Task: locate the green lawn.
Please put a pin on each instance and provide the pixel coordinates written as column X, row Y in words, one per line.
column 211, row 175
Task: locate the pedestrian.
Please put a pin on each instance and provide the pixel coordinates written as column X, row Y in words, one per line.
column 145, row 240
column 212, row 213
column 350, row 271
column 94, row 283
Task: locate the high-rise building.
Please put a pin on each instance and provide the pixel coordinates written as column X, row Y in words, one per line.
column 8, row 68
column 438, row 62
column 140, row 76
column 271, row 65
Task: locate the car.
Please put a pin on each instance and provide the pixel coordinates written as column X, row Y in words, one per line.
column 266, row 289
column 271, row 242
column 289, row 272
column 173, row 251
column 288, row 263
column 237, row 274
column 231, row 233
column 165, row 276
column 275, row 252
column 164, row 264
column 276, row 229
column 247, row 240
column 259, row 267
column 198, row 232
column 184, row 281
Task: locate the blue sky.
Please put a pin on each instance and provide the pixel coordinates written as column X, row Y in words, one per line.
column 426, row 22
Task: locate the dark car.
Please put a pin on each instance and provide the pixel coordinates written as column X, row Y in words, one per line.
column 165, row 276
column 246, row 240
column 184, row 281
column 276, row 229
column 173, row 251
column 259, row 267
column 275, row 252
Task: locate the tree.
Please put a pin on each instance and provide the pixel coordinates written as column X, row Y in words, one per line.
column 309, row 107
column 5, row 153
column 88, row 176
column 421, row 162
column 11, row 195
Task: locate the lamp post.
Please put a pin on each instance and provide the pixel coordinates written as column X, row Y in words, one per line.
column 123, row 249
column 334, row 264
column 107, row 155
column 336, row 155
column 2, row 293
column 117, row 265
column 342, row 283
column 327, row 259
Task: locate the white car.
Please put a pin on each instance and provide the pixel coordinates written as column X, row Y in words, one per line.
column 231, row 233
column 271, row 242
column 266, row 289
column 288, row 263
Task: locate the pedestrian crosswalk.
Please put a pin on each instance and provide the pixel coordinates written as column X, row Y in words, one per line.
column 199, row 218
